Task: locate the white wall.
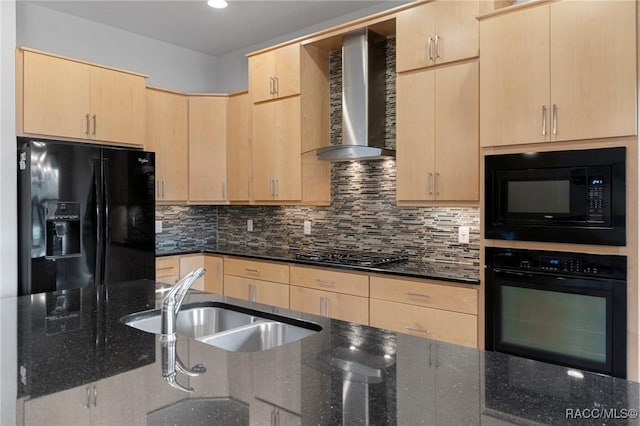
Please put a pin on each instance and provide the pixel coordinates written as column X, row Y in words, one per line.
column 233, row 67
column 8, row 202
column 167, row 65
column 8, row 249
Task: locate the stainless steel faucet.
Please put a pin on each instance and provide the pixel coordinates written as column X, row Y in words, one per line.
column 171, row 304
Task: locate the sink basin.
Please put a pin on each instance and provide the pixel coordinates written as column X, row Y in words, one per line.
column 194, row 320
column 258, row 336
column 228, row 327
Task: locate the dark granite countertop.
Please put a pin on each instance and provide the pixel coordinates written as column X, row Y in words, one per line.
column 78, row 364
column 414, row 268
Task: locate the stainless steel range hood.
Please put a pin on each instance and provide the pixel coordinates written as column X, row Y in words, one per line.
column 363, row 100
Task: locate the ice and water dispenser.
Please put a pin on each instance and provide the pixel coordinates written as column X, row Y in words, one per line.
column 63, row 230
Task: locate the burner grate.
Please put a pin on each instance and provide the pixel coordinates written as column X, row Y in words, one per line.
column 351, row 258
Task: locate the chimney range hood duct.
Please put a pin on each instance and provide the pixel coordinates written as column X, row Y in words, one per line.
column 363, row 100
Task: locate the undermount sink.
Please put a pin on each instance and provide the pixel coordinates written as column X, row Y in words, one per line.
column 194, row 320
column 228, row 327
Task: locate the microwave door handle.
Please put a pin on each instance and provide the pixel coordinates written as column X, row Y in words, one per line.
column 519, row 274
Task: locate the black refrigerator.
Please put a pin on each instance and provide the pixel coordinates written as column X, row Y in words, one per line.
column 86, row 215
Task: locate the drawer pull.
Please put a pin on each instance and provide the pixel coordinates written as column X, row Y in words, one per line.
column 419, row 330
column 252, row 271
column 164, row 268
column 426, row 296
column 325, row 282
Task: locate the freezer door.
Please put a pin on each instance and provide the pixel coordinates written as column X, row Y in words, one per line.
column 129, row 199
column 59, row 193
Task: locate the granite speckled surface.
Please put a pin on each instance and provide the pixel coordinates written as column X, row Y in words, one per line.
column 414, row 268
column 89, row 368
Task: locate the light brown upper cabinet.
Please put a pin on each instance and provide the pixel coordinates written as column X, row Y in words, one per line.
column 167, row 136
column 64, row 98
column 437, row 149
column 435, row 33
column 207, row 149
column 277, row 168
column 558, row 71
column 239, row 147
column 287, row 130
column 275, row 73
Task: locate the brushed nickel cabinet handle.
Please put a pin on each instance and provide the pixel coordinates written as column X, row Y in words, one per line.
column 426, row 296
column 325, row 282
column 437, row 44
column 430, row 48
column 87, row 129
column 94, row 124
column 88, row 405
column 271, row 86
column 437, row 186
column 327, row 307
column 95, row 396
column 544, row 120
column 252, row 271
column 277, row 188
column 163, row 188
column 429, row 183
column 418, row 330
column 277, row 86
column 555, row 119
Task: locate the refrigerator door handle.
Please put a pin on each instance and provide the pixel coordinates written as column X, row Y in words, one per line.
column 107, row 230
column 98, row 215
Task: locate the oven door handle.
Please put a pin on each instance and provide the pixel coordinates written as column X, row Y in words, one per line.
column 519, row 274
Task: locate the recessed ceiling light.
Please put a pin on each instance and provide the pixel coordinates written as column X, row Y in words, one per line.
column 217, row 4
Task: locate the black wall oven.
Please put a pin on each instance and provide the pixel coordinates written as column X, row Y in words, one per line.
column 564, row 308
column 560, row 196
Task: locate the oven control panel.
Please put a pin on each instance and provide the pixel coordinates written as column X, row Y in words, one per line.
column 563, row 263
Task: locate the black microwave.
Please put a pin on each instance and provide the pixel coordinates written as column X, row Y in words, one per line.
column 573, row 196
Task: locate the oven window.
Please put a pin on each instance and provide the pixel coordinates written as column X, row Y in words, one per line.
column 565, row 323
column 539, row 196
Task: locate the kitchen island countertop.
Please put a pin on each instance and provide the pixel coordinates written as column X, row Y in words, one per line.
column 78, row 364
column 455, row 272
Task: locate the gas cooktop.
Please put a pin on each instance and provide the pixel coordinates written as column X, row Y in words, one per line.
column 351, row 258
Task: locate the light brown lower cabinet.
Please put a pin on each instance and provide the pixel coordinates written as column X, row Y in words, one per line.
column 438, row 324
column 262, row 413
column 340, row 306
column 269, row 293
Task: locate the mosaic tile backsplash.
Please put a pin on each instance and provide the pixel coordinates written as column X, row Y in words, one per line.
column 363, row 215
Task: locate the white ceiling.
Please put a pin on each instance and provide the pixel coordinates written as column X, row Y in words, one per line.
column 194, row 25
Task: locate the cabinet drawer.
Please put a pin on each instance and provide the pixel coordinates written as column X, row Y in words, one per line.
column 166, row 266
column 452, row 327
column 441, row 296
column 257, row 270
column 344, row 307
column 328, row 280
column 269, row 293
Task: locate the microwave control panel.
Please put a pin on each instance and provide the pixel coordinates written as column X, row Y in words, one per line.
column 596, row 199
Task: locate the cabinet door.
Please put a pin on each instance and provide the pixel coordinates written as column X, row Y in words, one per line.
column 307, row 300
column 117, row 106
column 167, row 136
column 415, row 136
column 55, row 96
column 207, row 149
column 191, row 263
column 457, row 149
column 264, row 139
column 456, row 29
column 286, row 151
column 414, row 27
column 262, row 69
column 239, row 147
column 515, row 82
column 287, row 70
column 274, row 294
column 348, row 308
column 168, row 269
column 593, row 69
column 237, row 287
column 69, row 407
column 116, row 400
column 213, row 278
